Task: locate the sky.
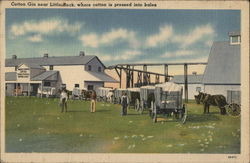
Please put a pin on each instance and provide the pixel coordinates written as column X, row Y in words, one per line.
column 118, row 35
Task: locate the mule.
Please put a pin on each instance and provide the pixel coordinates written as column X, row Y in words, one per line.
column 215, row 100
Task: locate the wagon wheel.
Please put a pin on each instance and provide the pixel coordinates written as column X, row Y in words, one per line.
column 184, row 114
column 154, row 113
column 137, row 104
column 234, row 109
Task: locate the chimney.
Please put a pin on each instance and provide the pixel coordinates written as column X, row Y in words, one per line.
column 14, row 56
column 46, row 55
column 81, row 53
column 194, row 73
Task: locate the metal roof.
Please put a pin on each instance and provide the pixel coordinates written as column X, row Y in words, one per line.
column 46, row 61
column 234, row 33
column 192, row 79
column 223, row 64
column 32, row 65
column 44, row 75
column 94, row 76
column 10, row 76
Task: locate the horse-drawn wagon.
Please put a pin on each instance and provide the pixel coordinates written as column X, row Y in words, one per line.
column 147, row 99
column 103, row 93
column 118, row 94
column 168, row 101
column 133, row 96
column 234, row 102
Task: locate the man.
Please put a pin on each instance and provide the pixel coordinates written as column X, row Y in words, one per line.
column 63, row 99
column 124, row 103
column 93, row 102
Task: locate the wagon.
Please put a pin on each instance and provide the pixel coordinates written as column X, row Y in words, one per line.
column 133, row 96
column 168, row 101
column 102, row 93
column 118, row 94
column 234, row 102
column 146, row 99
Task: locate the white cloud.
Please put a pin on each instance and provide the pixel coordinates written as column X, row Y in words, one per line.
column 93, row 40
column 44, row 27
column 126, row 55
column 178, row 53
column 195, row 35
column 90, row 40
column 35, row 38
column 163, row 36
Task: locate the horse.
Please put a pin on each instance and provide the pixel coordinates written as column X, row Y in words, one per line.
column 215, row 100
column 200, row 97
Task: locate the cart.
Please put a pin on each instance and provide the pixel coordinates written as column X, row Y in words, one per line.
column 234, row 102
column 133, row 96
column 146, row 100
column 168, row 101
column 102, row 93
column 118, row 94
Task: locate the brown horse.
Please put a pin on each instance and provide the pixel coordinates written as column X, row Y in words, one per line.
column 215, row 100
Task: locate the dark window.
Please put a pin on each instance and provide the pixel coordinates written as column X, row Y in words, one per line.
column 198, row 89
column 51, row 67
column 99, row 69
column 15, row 68
column 89, row 67
column 76, row 85
column 46, row 84
column 90, row 87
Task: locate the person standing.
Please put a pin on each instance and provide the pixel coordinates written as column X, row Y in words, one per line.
column 93, row 102
column 63, row 99
column 124, row 103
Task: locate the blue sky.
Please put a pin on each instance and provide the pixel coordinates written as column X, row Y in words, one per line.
column 118, row 36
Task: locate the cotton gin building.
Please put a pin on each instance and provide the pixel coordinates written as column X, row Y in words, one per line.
column 222, row 73
column 43, row 73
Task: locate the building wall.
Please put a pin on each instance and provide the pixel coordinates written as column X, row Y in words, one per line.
column 220, row 89
column 192, row 90
column 94, row 63
column 95, row 84
column 9, row 69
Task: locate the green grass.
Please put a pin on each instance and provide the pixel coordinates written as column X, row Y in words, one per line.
column 37, row 125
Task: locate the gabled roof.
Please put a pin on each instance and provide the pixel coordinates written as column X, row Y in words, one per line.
column 10, row 76
column 32, row 65
column 44, row 75
column 223, row 64
column 46, row 61
column 192, row 79
column 103, row 77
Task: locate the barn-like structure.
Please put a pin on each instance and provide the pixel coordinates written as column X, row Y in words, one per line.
column 222, row 73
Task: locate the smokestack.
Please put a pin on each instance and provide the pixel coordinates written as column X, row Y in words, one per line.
column 14, row 56
column 81, row 53
column 46, row 55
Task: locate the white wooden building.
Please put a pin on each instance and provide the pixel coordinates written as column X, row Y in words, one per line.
column 32, row 74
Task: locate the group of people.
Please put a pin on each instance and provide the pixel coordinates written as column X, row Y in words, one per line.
column 64, row 96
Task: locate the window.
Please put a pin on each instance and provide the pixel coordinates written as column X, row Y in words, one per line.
column 89, row 67
column 51, row 67
column 99, row 69
column 198, row 89
column 76, row 85
column 47, row 84
column 15, row 68
column 90, row 87
column 235, row 39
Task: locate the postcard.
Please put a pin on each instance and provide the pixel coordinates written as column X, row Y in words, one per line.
column 124, row 81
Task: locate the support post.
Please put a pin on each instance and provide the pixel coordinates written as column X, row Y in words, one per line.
column 166, row 72
column 186, row 82
column 28, row 89
column 145, row 82
column 121, row 78
column 128, row 77
column 132, row 78
column 42, row 89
